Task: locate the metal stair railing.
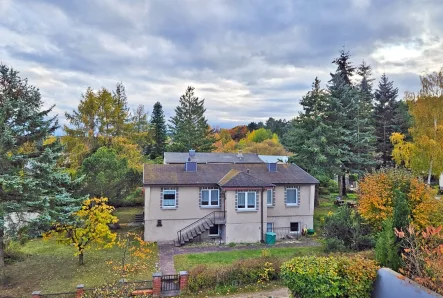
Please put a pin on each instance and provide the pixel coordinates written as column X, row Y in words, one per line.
column 209, row 219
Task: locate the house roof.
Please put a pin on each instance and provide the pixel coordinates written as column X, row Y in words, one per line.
column 236, row 178
column 203, row 157
column 274, row 158
column 175, row 174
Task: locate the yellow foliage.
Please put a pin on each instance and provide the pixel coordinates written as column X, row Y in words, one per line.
column 402, row 151
column 130, row 151
column 90, row 226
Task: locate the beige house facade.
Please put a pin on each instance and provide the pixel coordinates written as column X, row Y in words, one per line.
column 231, row 203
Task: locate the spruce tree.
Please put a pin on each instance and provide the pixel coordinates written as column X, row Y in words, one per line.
column 29, row 179
column 158, row 126
column 189, row 127
column 385, row 118
column 121, row 115
column 344, row 66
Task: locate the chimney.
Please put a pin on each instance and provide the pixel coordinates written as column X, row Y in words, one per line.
column 190, row 166
column 240, row 154
column 247, row 171
column 272, row 167
column 191, row 153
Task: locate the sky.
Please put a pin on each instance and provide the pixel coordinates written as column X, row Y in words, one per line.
column 249, row 59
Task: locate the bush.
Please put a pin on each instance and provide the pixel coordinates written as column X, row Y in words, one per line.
column 349, row 231
column 327, row 185
column 322, row 277
column 134, row 199
column 242, row 272
column 387, row 250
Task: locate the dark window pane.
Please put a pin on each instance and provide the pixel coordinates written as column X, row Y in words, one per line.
column 294, row 226
column 213, row 230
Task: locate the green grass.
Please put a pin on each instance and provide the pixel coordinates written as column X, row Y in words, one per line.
column 126, row 214
column 51, row 267
column 188, row 261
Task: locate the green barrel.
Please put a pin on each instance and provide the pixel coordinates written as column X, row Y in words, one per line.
column 311, row 231
column 270, row 238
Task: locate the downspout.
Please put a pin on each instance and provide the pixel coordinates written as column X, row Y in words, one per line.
column 261, row 215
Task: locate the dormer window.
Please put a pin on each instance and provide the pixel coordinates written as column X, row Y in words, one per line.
column 191, row 166
column 272, row 167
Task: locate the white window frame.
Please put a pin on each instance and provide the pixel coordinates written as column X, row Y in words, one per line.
column 297, row 196
column 246, row 208
column 272, row 226
column 298, row 225
column 175, row 199
column 272, row 197
column 214, row 235
column 210, row 201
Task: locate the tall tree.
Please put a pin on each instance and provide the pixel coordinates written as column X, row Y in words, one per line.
column 158, row 125
column 344, row 66
column 189, row 127
column 426, row 108
column 30, row 181
column 385, row 116
column 121, row 118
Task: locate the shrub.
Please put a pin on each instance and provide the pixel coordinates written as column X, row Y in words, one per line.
column 387, row 250
column 322, row 277
column 346, row 230
column 134, row 199
column 242, row 272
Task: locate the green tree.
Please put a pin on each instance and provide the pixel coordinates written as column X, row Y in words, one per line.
column 189, row 127
column 30, row 181
column 108, row 175
column 344, row 66
column 141, row 134
column 158, row 126
column 121, row 117
column 387, row 247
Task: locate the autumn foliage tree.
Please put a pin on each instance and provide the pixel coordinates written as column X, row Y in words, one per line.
column 377, row 193
column 89, row 227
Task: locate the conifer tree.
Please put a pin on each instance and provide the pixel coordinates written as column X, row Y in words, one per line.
column 30, row 181
column 344, row 66
column 158, row 126
column 121, row 117
column 386, row 116
column 189, row 127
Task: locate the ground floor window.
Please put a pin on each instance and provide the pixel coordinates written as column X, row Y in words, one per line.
column 270, row 227
column 294, row 227
column 214, row 230
column 169, row 198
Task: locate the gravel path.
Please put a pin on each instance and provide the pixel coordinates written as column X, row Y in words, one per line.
column 168, row 251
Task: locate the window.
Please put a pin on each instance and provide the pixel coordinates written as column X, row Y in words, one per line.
column 292, row 197
column 246, row 200
column 210, row 197
column 294, row 227
column 269, row 197
column 270, row 227
column 169, row 198
column 214, row 230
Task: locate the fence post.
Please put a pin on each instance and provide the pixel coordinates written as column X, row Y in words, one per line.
column 156, row 284
column 184, row 275
column 36, row 294
column 80, row 291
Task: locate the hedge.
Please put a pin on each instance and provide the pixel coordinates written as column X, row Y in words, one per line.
column 324, row 277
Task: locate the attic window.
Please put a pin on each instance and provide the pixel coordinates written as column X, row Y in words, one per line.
column 191, row 166
column 272, row 167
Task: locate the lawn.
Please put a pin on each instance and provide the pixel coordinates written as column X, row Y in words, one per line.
column 51, row 267
column 187, row 261
column 126, row 214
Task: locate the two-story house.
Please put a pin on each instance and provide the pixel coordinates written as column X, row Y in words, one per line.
column 236, row 202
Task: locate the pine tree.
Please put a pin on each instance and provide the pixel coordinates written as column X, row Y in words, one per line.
column 29, row 179
column 385, row 118
column 189, row 127
column 121, row 117
column 344, row 66
column 158, row 126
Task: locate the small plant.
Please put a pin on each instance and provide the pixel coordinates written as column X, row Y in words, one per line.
column 231, row 244
column 265, row 253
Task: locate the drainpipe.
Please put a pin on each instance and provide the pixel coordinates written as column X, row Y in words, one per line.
column 261, row 215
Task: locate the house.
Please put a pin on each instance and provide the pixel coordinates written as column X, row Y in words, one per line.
column 235, row 202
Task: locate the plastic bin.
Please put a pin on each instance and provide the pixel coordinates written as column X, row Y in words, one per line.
column 270, row 238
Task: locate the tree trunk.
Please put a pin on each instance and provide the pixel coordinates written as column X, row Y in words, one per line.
column 316, row 198
column 340, row 185
column 2, row 258
column 343, row 181
column 430, row 173
column 80, row 258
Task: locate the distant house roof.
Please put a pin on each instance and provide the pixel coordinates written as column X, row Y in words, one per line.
column 274, row 158
column 202, row 157
column 236, row 178
column 213, row 174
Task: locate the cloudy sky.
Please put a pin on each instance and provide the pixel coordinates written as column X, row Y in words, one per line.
column 249, row 59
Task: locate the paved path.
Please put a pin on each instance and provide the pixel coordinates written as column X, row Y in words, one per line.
column 168, row 251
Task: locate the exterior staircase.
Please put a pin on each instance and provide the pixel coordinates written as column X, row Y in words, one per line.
column 198, row 227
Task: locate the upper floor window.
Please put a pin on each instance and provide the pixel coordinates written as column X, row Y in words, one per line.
column 269, row 197
column 292, row 197
column 169, row 198
column 246, row 200
column 210, row 197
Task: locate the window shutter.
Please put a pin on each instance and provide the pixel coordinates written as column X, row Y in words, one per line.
column 298, row 196
column 236, row 200
column 257, row 201
column 161, row 198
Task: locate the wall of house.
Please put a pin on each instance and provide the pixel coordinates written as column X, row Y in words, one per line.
column 187, row 212
column 243, row 226
column 282, row 215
